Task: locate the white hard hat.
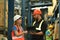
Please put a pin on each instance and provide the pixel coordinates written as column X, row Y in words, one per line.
column 16, row 17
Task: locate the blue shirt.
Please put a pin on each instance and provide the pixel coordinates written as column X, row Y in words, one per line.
column 14, row 28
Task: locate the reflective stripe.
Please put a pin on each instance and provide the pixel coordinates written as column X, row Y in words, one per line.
column 39, row 28
column 34, row 23
column 16, row 37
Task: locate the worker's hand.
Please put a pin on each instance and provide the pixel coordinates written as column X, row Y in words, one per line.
column 39, row 33
column 25, row 31
column 32, row 33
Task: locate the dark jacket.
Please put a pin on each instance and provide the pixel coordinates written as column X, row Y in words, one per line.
column 43, row 29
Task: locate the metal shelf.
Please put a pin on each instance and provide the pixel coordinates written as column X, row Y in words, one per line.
column 41, row 4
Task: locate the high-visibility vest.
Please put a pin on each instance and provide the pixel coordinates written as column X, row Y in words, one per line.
column 14, row 37
column 39, row 28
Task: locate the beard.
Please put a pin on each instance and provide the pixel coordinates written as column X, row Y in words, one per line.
column 36, row 19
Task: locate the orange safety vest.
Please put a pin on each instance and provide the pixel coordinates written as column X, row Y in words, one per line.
column 15, row 37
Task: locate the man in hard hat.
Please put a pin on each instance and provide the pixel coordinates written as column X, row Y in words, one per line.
column 17, row 30
column 39, row 24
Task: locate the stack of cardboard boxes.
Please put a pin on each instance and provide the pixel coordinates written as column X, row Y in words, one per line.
column 1, row 13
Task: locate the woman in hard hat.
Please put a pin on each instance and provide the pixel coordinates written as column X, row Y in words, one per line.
column 39, row 24
column 49, row 32
column 17, row 30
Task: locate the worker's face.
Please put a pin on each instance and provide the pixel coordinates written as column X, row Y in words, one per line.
column 35, row 16
column 50, row 28
column 19, row 21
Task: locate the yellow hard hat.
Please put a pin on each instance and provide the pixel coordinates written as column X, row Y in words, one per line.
column 50, row 26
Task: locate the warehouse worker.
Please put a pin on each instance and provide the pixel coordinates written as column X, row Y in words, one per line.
column 17, row 30
column 49, row 32
column 39, row 24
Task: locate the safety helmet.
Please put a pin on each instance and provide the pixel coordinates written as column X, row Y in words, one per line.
column 37, row 11
column 50, row 26
column 16, row 17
